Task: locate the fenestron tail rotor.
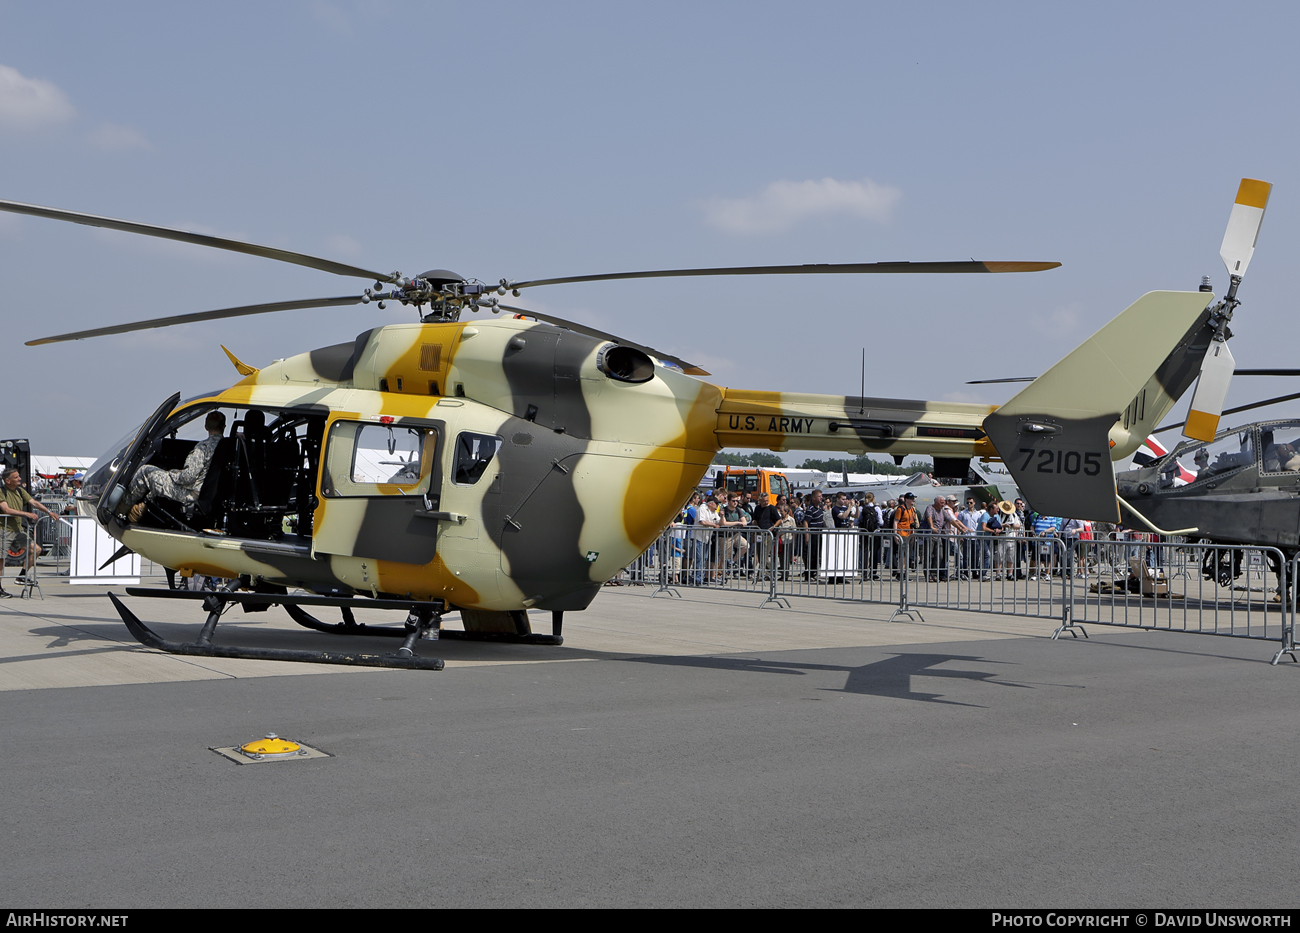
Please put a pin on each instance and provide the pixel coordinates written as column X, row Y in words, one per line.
column 1216, row 369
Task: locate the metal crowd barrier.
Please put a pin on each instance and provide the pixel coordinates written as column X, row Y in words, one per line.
column 1207, row 589
column 990, row 573
column 1138, row 581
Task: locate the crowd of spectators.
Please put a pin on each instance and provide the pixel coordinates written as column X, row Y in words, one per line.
column 729, row 534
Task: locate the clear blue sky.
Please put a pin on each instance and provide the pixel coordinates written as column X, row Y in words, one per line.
column 525, row 140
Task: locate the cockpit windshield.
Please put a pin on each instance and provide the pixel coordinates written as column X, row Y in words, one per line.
column 103, row 468
column 1225, row 453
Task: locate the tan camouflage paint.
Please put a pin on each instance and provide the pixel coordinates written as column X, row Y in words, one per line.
column 628, row 454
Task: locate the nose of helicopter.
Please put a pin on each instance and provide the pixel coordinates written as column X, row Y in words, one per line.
column 102, row 471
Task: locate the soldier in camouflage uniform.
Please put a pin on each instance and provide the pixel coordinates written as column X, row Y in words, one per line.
column 181, row 485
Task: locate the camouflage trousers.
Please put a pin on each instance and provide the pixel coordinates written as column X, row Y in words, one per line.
column 153, row 481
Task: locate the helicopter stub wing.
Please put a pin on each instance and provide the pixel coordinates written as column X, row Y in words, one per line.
column 1055, row 435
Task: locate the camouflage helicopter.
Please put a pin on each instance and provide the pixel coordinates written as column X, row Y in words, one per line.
column 514, row 463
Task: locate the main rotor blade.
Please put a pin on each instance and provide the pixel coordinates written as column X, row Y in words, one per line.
column 201, row 316
column 1238, row 410
column 686, row 367
column 1239, row 372
column 819, row 268
column 198, row 239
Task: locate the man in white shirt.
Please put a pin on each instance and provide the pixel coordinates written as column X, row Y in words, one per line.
column 973, row 557
column 708, row 520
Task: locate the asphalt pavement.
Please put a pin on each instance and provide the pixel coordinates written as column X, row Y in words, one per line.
column 674, row 752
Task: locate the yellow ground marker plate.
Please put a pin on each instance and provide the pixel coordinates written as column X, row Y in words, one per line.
column 270, row 747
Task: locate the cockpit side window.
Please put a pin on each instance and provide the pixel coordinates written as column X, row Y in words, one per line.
column 1280, row 445
column 473, row 454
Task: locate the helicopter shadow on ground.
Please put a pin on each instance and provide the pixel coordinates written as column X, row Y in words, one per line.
column 68, row 630
column 889, row 677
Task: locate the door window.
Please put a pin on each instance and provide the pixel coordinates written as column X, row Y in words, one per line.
column 368, row 459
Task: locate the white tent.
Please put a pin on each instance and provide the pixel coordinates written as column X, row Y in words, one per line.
column 51, row 465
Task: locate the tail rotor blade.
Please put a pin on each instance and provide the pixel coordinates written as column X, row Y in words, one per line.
column 1243, row 225
column 1211, row 390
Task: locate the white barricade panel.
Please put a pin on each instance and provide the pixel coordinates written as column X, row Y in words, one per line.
column 839, row 555
column 91, row 546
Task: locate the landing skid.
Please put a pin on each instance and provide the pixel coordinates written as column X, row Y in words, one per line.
column 422, row 623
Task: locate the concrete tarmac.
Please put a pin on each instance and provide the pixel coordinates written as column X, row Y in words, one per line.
column 674, row 752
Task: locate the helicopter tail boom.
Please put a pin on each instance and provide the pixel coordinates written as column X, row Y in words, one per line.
column 802, row 421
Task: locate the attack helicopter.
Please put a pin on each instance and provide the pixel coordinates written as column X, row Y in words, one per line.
column 1240, row 488
column 503, row 464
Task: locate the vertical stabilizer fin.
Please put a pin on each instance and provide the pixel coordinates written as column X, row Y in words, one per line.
column 1054, row 436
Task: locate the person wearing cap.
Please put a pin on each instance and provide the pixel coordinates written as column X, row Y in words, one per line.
column 708, row 520
column 905, row 522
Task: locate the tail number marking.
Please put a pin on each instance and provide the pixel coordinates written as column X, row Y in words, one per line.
column 1071, row 462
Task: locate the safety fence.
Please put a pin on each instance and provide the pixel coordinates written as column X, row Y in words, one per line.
column 1136, row 581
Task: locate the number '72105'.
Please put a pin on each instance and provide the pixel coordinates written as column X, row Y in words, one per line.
column 1072, row 462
